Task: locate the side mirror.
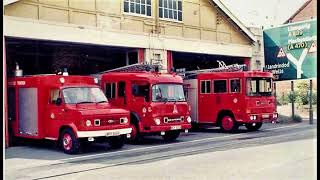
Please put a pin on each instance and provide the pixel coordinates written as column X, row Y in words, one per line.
column 58, row 101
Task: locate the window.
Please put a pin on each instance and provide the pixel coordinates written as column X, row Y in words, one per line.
column 205, row 87
column 54, row 95
column 235, row 85
column 220, row 86
column 170, row 9
column 76, row 95
column 141, row 90
column 110, row 90
column 142, row 7
column 167, row 92
column 121, row 88
column 259, row 86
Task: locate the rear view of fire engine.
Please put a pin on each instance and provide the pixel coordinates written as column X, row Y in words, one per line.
column 229, row 97
column 69, row 109
column 155, row 100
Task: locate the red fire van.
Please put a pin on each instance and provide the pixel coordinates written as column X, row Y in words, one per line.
column 68, row 109
column 155, row 100
column 230, row 98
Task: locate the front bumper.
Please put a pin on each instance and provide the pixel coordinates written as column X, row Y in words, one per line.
column 261, row 117
column 161, row 128
column 104, row 133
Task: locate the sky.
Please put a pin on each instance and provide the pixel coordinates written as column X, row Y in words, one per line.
column 258, row 13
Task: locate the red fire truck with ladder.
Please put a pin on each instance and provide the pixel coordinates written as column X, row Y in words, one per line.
column 155, row 100
column 69, row 109
column 230, row 96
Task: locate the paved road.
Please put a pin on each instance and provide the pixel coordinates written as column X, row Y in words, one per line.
column 240, row 154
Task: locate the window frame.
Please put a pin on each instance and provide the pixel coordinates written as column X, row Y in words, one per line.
column 59, row 95
column 135, row 13
column 230, row 91
column 161, row 6
column 200, row 89
column 226, row 92
column 115, row 90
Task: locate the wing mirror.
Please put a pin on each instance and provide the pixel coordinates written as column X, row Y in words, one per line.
column 59, row 101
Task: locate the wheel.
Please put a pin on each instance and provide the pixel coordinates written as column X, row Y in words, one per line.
column 116, row 142
column 69, row 143
column 195, row 126
column 171, row 135
column 228, row 124
column 253, row 126
column 135, row 135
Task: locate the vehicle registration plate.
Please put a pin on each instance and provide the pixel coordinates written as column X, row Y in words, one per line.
column 265, row 116
column 175, row 127
column 114, row 133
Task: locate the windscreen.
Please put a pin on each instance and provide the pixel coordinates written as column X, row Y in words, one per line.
column 76, row 95
column 167, row 92
column 259, row 86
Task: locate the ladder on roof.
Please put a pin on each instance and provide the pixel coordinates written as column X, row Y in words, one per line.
column 222, row 68
column 134, row 68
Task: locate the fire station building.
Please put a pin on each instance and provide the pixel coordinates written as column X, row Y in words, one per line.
column 89, row 36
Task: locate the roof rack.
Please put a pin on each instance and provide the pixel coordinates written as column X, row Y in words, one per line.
column 135, row 68
column 222, row 68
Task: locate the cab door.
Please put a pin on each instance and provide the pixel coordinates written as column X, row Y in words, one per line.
column 140, row 95
column 54, row 113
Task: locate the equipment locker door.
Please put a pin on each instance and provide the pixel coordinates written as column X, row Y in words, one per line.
column 28, row 111
column 205, row 108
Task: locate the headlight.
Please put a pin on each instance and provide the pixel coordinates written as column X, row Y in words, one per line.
column 275, row 115
column 189, row 119
column 124, row 120
column 144, row 110
column 157, row 121
column 149, row 109
column 88, row 123
column 254, row 117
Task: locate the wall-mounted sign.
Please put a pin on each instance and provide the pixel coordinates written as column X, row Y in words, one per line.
column 290, row 50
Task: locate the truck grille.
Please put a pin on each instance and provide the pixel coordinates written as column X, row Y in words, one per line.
column 173, row 120
column 109, row 121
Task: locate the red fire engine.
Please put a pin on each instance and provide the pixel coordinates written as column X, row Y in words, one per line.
column 155, row 100
column 70, row 109
column 229, row 97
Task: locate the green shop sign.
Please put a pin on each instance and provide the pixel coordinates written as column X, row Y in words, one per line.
column 291, row 50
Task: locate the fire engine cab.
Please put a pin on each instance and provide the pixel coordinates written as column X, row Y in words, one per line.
column 155, row 100
column 229, row 96
column 70, row 109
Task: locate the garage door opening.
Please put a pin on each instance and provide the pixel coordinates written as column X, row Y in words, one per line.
column 193, row 61
column 50, row 57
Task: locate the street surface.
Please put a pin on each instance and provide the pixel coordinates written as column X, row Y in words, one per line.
column 277, row 151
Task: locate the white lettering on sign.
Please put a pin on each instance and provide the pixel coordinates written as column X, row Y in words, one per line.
column 21, row 83
column 299, row 27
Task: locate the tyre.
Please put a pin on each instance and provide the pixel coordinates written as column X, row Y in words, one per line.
column 68, row 142
column 135, row 135
column 195, row 126
column 171, row 135
column 116, row 142
column 228, row 124
column 253, row 126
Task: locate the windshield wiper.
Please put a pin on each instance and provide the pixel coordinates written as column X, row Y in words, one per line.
column 173, row 100
column 101, row 101
column 84, row 102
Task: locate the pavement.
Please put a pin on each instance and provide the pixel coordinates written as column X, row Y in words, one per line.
column 277, row 151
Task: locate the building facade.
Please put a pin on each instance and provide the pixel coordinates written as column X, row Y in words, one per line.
column 167, row 32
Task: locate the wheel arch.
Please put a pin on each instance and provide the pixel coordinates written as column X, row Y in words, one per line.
column 222, row 113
